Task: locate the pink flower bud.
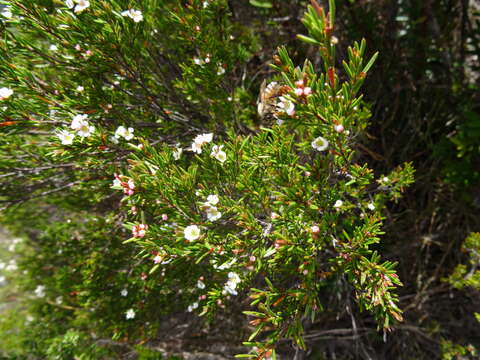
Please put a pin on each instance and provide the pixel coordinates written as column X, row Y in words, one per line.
column 339, row 128
column 299, row 83
column 252, row 258
column 88, row 53
column 307, row 91
column 164, row 217
column 77, row 47
column 315, row 229
column 299, row 91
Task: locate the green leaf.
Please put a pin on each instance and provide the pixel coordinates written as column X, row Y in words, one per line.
column 261, row 4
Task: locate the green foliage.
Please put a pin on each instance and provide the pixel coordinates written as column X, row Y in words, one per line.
column 279, row 215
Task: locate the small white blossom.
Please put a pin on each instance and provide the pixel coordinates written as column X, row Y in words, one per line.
column 200, row 284
column 12, row 266
column 5, row 93
column 199, row 141
column 80, row 88
column 212, row 199
column 213, row 214
column 205, row 4
column 53, row 47
column 192, row 232
column 40, row 291
column 124, row 292
column 81, row 125
column 339, row 128
column 127, row 134
column 338, row 204
column 198, row 61
column 6, row 13
column 315, row 229
column 286, row 106
column 320, row 144
column 231, row 284
column 221, row 70
column 218, row 153
column 58, row 300
column 81, row 5
column 371, row 206
column 192, row 307
column 385, row 179
column 135, row 15
column 66, row 137
column 130, row 314
column 177, row 153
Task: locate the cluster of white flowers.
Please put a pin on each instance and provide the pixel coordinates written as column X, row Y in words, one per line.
column 320, row 144
column 122, row 131
column 192, row 232
column 80, row 125
column 201, row 62
column 231, row 285
column 5, row 93
column 77, row 5
column 209, row 206
column 130, row 314
column 135, row 15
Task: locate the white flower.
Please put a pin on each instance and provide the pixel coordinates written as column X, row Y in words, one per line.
column 12, row 266
column 320, row 144
column 40, row 291
column 69, row 4
column 5, row 93
column 199, row 141
column 127, row 134
column 385, row 179
column 192, row 307
column 135, row 15
column 66, row 137
column 58, row 300
column 286, row 106
column 124, row 292
column 198, row 61
column 130, row 314
column 53, row 47
column 80, row 88
column 81, row 5
column 196, row 148
column 177, row 152
column 213, row 213
column 231, row 284
column 200, row 284
column 81, row 125
column 315, row 229
column 221, row 70
column 78, row 120
column 212, row 199
column 338, row 204
column 218, row 153
column 371, row 206
column 205, row 4
column 6, row 13
column 157, row 259
column 192, row 232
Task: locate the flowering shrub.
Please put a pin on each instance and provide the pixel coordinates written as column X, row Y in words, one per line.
column 134, row 126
